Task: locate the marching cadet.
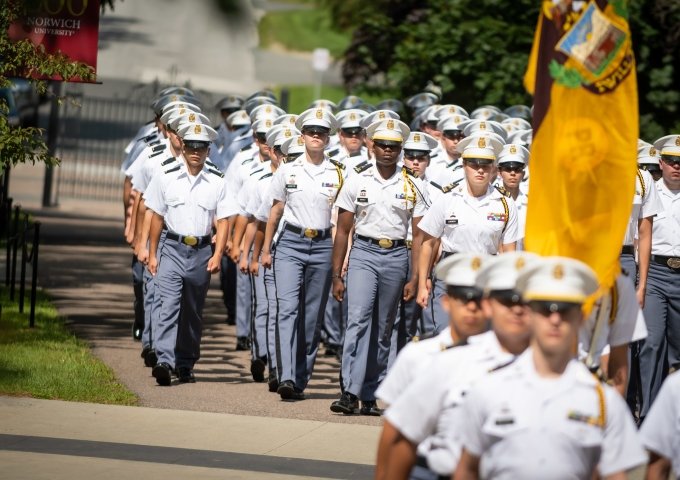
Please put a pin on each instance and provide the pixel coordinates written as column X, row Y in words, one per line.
column 648, row 160
column 512, row 163
column 226, row 106
column 351, row 134
column 661, row 431
column 303, row 192
column 475, row 217
column 379, row 202
column 188, row 199
column 370, row 119
column 421, row 430
column 545, row 415
column 661, row 348
column 447, row 166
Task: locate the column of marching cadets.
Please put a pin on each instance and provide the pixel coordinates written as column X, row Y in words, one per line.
column 400, row 248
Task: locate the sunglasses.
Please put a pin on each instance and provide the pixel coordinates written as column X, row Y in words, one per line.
column 511, row 168
column 385, row 145
column 546, row 308
column 453, row 134
column 196, row 145
column 416, row 155
column 315, row 131
column 465, row 294
column 477, row 163
column 507, row 298
column 671, row 160
column 352, row 132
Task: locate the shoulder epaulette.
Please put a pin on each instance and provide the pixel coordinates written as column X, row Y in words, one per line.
column 245, row 148
column 173, row 169
column 455, row 166
column 216, row 172
column 333, row 153
column 167, row 161
column 363, row 166
column 436, row 185
column 266, row 175
column 340, row 165
column 503, row 365
column 156, row 154
column 151, row 144
column 450, row 186
column 211, row 164
column 159, row 148
column 259, row 170
column 461, row 343
column 408, row 171
column 502, row 190
column 149, row 137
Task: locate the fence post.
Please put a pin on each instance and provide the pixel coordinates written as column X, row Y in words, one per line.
column 22, row 276
column 34, row 278
column 15, row 246
column 7, row 223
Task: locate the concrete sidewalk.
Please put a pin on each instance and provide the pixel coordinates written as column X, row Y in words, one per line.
column 55, row 440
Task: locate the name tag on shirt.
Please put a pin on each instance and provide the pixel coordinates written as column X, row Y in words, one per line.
column 452, row 220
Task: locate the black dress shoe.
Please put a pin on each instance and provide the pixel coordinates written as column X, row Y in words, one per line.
column 288, row 391
column 163, row 374
column 186, row 375
column 257, row 368
column 273, row 381
column 145, row 351
column 231, row 319
column 151, row 358
column 242, row 344
column 370, row 408
column 348, row 404
column 137, row 331
column 331, row 350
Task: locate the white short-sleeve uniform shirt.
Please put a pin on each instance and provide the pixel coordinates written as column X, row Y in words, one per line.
column 660, row 431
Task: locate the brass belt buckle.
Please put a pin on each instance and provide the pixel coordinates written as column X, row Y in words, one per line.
column 385, row 243
column 311, row 232
column 409, row 243
column 190, row 240
column 673, row 262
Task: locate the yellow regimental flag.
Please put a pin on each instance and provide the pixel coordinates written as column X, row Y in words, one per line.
column 585, row 121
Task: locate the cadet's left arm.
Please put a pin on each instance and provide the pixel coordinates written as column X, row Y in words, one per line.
column 411, row 287
column 645, row 226
column 468, row 467
column 617, row 368
column 401, row 457
column 220, row 242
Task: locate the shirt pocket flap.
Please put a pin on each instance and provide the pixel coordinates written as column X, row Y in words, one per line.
column 175, row 201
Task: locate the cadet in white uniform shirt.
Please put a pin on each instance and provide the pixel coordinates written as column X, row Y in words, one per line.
column 546, row 415
column 431, row 422
column 379, row 202
column 512, row 163
column 475, row 218
column 188, row 199
column 303, row 192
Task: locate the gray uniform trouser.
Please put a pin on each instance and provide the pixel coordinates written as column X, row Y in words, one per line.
column 629, row 267
column 181, row 285
column 138, row 288
column 261, row 313
column 661, row 348
column 151, row 304
column 244, row 305
column 375, row 282
column 302, row 274
column 333, row 324
column 270, row 290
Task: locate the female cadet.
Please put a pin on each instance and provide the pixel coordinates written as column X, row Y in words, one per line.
column 474, row 218
column 303, row 192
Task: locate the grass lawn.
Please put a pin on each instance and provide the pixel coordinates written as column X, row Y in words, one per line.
column 48, row 361
column 302, row 30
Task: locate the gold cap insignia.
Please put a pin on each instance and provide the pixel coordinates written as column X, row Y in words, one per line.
column 416, row 137
column 268, row 123
column 352, row 116
column 513, row 149
column 197, row 129
column 292, row 119
column 519, row 264
column 482, row 142
column 677, row 141
column 192, row 117
column 381, row 115
column 268, row 109
column 244, row 115
column 390, row 124
column 174, row 98
column 558, row 272
column 319, row 113
column 476, row 263
column 182, row 111
column 452, row 109
column 482, row 125
column 288, row 133
column 652, row 152
column 231, row 99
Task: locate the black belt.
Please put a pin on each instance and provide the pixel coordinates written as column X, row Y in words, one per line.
column 190, row 240
column 422, row 463
column 383, row 242
column 308, row 232
column 628, row 250
column 445, row 255
column 670, row 262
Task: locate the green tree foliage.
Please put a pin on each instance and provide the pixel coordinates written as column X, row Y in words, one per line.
column 477, row 51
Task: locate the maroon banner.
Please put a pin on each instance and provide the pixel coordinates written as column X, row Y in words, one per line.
column 70, row 27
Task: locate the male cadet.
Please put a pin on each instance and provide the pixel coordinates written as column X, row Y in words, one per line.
column 379, row 202
column 370, row 119
column 421, row 430
column 303, row 192
column 661, row 431
column 187, row 199
column 226, row 106
column 512, row 163
column 447, row 167
column 475, row 217
column 661, row 348
column 648, row 160
column 545, row 415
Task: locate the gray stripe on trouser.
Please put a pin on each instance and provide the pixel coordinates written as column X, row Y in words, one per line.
column 270, row 290
column 375, row 281
column 302, row 273
column 243, row 304
column 260, row 313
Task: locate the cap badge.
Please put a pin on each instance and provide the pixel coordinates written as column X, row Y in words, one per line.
column 268, row 123
column 292, row 119
column 352, row 116
column 482, row 125
column 268, row 109
column 519, row 264
column 232, row 99
column 192, row 117
column 288, row 133
column 197, row 129
column 452, row 109
column 513, row 149
column 381, row 115
column 476, row 263
column 390, row 124
column 319, row 114
column 481, row 143
column 182, row 111
column 558, row 272
column 416, row 137
column 677, row 141
column 174, row 98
